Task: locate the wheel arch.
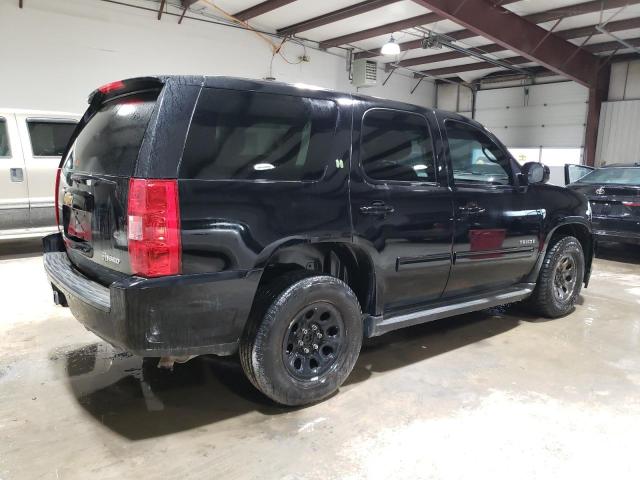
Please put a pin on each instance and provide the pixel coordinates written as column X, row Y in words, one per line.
column 577, row 228
column 343, row 260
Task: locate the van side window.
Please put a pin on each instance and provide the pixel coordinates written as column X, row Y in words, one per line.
column 258, row 136
column 5, row 148
column 396, row 146
column 49, row 139
column 476, row 158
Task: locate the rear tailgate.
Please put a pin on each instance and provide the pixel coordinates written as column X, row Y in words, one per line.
column 95, row 175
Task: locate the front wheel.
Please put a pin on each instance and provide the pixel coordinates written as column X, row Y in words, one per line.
column 560, row 279
column 303, row 339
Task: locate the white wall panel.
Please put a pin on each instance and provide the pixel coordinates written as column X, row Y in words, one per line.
column 55, row 53
column 619, row 133
column 625, row 81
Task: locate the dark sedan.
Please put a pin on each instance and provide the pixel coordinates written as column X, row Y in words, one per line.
column 614, row 194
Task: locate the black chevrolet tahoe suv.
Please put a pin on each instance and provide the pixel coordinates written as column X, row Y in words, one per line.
column 215, row 215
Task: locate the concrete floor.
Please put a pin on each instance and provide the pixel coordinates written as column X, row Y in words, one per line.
column 494, row 394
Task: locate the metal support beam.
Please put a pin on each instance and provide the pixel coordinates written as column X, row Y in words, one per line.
column 381, row 30
column 162, row 3
column 494, row 47
column 470, row 67
column 520, row 35
column 185, row 6
column 260, row 9
column 388, row 28
column 20, row 3
column 388, row 77
column 337, row 15
column 540, row 17
column 184, row 11
column 598, row 93
column 417, row 85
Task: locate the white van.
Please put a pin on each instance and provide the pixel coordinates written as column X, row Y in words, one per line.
column 31, row 144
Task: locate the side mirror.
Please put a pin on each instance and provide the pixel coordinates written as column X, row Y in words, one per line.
column 534, row 172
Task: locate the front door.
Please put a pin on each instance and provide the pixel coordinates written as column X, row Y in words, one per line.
column 44, row 141
column 496, row 228
column 14, row 194
column 401, row 206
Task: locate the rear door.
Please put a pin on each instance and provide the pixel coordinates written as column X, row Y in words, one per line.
column 43, row 140
column 14, row 192
column 401, row 205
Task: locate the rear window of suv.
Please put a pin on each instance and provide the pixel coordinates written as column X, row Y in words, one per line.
column 239, row 135
column 110, row 141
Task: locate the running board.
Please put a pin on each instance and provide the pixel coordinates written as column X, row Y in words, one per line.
column 375, row 326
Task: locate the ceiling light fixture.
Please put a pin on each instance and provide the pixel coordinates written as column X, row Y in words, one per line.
column 391, row 47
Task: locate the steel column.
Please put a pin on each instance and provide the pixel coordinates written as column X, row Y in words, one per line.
column 598, row 93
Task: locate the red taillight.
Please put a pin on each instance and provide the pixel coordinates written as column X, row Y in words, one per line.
column 154, row 227
column 56, row 196
column 111, row 87
column 631, row 204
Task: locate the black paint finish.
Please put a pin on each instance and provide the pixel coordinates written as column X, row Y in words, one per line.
column 612, row 219
column 402, row 246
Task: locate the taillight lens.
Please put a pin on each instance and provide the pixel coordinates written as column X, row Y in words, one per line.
column 111, row 87
column 631, row 204
column 56, row 196
column 154, row 227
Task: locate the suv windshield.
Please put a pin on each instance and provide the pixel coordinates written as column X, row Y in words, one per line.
column 619, row 175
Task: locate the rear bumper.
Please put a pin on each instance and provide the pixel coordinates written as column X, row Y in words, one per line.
column 177, row 315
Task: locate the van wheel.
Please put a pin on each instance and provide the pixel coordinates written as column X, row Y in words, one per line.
column 560, row 279
column 303, row 338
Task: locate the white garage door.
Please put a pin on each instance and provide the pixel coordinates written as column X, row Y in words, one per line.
column 538, row 122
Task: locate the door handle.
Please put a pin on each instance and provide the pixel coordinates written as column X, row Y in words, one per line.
column 471, row 209
column 16, row 174
column 377, row 208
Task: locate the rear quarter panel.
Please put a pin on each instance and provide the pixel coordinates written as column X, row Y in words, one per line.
column 238, row 224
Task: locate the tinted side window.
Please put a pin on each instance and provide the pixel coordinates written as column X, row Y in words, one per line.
column 5, row 148
column 396, row 146
column 109, row 143
column 475, row 157
column 49, row 139
column 258, row 136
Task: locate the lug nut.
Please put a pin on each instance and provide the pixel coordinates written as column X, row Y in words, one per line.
column 319, row 335
column 305, row 350
column 300, row 342
column 314, row 327
column 305, row 331
column 315, row 346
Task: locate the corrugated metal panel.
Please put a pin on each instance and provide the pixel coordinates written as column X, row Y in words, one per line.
column 619, row 133
column 625, row 81
column 547, row 115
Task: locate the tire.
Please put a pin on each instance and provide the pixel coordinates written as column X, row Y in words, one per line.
column 554, row 297
column 318, row 313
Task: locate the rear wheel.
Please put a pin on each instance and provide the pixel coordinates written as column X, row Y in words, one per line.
column 303, row 339
column 560, row 279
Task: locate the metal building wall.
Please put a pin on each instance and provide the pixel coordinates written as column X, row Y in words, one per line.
column 619, row 133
